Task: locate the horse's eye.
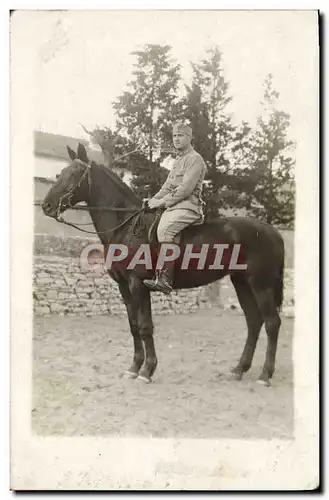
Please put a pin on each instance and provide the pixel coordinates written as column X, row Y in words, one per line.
column 57, row 175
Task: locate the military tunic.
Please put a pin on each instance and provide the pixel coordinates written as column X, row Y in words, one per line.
column 181, row 193
column 183, row 186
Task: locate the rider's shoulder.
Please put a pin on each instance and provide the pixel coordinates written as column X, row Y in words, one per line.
column 194, row 155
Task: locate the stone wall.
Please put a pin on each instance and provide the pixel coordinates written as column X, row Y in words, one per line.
column 61, row 287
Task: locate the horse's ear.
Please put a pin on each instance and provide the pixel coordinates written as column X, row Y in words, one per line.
column 72, row 154
column 82, row 153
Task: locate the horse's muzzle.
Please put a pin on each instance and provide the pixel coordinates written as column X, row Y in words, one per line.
column 48, row 209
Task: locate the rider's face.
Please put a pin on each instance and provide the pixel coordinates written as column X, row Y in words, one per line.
column 181, row 141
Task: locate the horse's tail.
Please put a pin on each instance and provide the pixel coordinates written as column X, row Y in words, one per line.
column 279, row 283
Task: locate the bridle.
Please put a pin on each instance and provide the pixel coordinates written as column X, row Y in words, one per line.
column 67, row 197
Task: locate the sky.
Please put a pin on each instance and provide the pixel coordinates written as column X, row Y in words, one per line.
column 83, row 61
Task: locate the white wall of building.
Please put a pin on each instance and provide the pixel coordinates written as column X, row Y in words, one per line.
column 48, row 167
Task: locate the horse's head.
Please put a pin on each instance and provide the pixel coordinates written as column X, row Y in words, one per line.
column 71, row 186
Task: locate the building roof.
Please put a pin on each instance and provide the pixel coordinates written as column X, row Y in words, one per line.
column 44, row 180
column 54, row 146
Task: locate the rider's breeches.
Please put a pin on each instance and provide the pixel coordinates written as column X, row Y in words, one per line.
column 173, row 222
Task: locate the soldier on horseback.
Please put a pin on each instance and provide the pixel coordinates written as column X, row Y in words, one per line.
column 259, row 290
column 181, row 197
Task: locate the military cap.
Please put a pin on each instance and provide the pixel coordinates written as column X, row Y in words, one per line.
column 181, row 128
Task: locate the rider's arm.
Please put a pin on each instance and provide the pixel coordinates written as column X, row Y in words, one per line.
column 163, row 191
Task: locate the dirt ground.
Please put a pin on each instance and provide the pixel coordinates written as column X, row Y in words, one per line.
column 78, row 387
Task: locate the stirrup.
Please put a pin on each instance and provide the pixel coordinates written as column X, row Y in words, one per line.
column 158, row 284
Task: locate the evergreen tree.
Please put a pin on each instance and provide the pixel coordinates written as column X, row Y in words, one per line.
column 145, row 113
column 267, row 176
column 205, row 107
column 236, row 193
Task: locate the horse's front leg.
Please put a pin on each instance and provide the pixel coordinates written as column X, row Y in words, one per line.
column 142, row 302
column 139, row 355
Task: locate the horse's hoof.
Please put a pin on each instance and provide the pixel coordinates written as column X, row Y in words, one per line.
column 235, row 369
column 130, row 375
column 144, row 379
column 267, row 383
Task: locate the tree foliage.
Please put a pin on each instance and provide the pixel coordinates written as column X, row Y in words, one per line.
column 249, row 168
column 266, row 177
column 145, row 112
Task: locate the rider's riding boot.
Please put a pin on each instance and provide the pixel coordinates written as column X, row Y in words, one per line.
column 163, row 279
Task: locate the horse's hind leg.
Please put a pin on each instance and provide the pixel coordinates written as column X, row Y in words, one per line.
column 254, row 322
column 139, row 355
column 267, row 306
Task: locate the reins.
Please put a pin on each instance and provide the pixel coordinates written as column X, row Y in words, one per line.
column 138, row 226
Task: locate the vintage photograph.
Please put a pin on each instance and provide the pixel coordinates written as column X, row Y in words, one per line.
column 165, row 149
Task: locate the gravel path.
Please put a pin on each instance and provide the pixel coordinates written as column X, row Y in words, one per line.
column 78, row 387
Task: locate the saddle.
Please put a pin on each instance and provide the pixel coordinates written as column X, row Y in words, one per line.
column 152, row 232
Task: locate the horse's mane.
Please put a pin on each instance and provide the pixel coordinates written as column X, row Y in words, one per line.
column 119, row 183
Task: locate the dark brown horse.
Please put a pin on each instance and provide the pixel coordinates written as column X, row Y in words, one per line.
column 259, row 288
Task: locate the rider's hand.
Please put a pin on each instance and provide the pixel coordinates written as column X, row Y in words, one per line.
column 155, row 203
